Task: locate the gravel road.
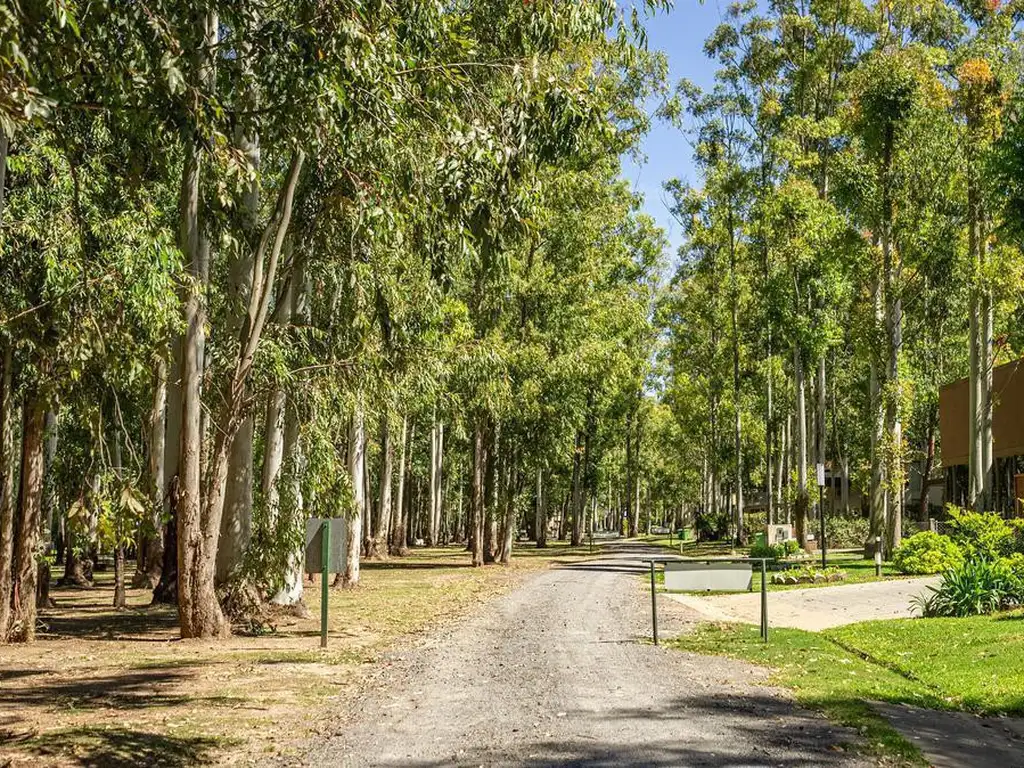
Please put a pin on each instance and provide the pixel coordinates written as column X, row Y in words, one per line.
column 553, row 674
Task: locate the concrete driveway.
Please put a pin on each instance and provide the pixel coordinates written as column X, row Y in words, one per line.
column 816, row 608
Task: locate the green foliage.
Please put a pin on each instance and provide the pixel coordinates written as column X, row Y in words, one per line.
column 973, row 588
column 926, row 553
column 981, row 534
column 776, row 551
column 846, row 532
column 772, row 551
column 808, row 574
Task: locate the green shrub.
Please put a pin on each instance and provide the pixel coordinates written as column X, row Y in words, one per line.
column 776, row 551
column 808, row 574
column 843, row 532
column 1015, row 565
column 973, row 588
column 981, row 534
column 927, row 552
column 772, row 551
column 1017, row 526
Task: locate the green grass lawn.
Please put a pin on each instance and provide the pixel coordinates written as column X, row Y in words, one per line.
column 975, row 664
column 858, row 570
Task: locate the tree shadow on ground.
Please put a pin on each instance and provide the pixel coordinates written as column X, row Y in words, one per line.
column 410, row 565
column 103, row 624
column 605, row 566
column 720, row 731
column 128, row 691
column 117, row 747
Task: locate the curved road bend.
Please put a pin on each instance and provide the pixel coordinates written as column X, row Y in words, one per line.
column 552, row 674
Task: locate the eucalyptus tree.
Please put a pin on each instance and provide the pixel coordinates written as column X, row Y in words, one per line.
column 986, row 61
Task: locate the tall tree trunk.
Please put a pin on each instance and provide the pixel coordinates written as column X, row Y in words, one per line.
column 491, row 495
column 382, row 520
column 987, row 364
column 577, row 491
column 508, row 525
column 354, row 518
column 891, row 269
column 636, row 478
column 236, row 523
column 894, row 427
column 8, row 478
column 781, row 470
column 542, row 511
column 166, row 589
column 120, row 533
column 199, row 613
column 436, row 447
column 800, row 511
column 49, row 505
column 291, row 507
column 630, row 525
column 23, row 619
column 877, row 513
column 736, row 404
column 197, row 601
column 151, row 543
column 367, row 495
column 273, row 436
column 929, row 460
column 397, row 534
column 477, row 507
column 4, row 147
column 820, row 421
column 980, row 325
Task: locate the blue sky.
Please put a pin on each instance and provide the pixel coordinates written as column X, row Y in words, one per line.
column 680, row 33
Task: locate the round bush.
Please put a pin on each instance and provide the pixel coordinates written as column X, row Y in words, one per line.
column 981, row 534
column 927, row 553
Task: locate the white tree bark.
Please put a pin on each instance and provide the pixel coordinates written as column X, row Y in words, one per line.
column 436, row 459
column 292, row 507
column 396, row 534
column 801, row 447
column 354, row 518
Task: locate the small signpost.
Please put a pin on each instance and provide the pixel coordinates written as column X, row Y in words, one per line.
column 821, row 511
column 710, row 575
column 325, row 553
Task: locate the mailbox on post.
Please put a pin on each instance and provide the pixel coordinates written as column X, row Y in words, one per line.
column 314, row 545
column 325, row 553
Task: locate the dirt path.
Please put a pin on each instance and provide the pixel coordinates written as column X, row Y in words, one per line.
column 816, row 608
column 552, row 674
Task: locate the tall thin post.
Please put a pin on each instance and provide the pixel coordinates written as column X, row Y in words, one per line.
column 325, row 567
column 821, row 515
column 654, row 606
column 764, row 601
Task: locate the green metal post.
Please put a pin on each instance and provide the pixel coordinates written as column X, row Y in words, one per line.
column 764, row 601
column 654, row 606
column 325, row 566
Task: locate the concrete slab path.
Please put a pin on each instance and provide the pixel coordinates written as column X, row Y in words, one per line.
column 815, row 608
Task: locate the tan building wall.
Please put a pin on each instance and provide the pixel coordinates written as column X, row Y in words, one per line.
column 1007, row 415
